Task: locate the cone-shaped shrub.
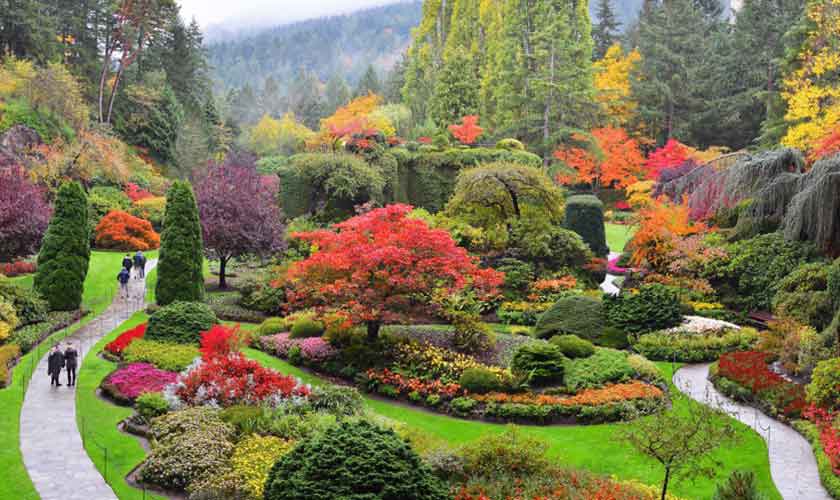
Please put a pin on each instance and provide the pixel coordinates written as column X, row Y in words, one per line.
column 585, row 216
column 181, row 261
column 65, row 251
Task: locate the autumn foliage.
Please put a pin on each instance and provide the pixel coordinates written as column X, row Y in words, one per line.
column 828, row 145
column 672, row 154
column 468, row 131
column 122, row 231
column 661, row 224
column 614, row 161
column 136, row 193
column 356, row 118
column 379, row 266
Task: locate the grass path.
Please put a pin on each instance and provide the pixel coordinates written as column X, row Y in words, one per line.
column 618, row 235
column 100, row 287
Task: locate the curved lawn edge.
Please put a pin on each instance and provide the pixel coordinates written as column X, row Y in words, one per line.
column 590, row 447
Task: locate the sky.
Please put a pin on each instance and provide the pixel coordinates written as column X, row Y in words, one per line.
column 267, row 12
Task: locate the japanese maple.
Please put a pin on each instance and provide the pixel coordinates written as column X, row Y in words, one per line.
column 381, row 265
column 24, row 214
column 615, row 162
column 119, row 230
column 828, row 145
column 136, row 193
column 468, row 131
column 672, row 154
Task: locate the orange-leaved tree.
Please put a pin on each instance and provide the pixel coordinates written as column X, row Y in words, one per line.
column 828, row 145
column 468, row 131
column 119, row 230
column 613, row 160
column 661, row 223
column 355, row 118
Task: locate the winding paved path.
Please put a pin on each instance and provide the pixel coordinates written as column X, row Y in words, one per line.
column 50, row 442
column 792, row 463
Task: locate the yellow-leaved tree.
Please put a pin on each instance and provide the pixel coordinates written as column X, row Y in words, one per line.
column 812, row 89
column 285, row 136
column 612, row 81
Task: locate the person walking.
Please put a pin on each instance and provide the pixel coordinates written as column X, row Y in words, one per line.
column 127, row 262
column 71, row 356
column 55, row 362
column 140, row 264
column 123, row 277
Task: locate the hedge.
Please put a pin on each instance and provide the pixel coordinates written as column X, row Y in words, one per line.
column 585, row 216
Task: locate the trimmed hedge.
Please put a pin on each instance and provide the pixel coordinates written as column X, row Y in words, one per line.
column 605, row 366
column 576, row 315
column 180, row 322
column 543, row 362
column 654, row 307
column 693, row 347
column 585, row 216
column 307, row 327
column 353, row 461
column 65, row 251
column 181, row 263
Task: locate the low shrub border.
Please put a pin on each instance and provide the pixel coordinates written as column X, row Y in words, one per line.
column 829, row 480
column 687, row 347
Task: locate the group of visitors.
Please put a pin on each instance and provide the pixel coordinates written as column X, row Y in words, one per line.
column 66, row 360
column 138, row 262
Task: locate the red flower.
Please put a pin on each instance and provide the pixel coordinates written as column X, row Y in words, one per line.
column 125, row 339
column 135, row 193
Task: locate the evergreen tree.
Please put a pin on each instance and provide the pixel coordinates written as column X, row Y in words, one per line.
column 606, row 31
column 180, row 269
column 271, row 100
column 395, row 82
column 65, row 251
column 337, row 93
column 456, row 90
column 305, row 99
column 369, row 84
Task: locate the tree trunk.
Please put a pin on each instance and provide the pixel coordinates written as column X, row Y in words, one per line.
column 665, row 482
column 103, row 78
column 222, row 267
column 373, row 330
column 114, row 92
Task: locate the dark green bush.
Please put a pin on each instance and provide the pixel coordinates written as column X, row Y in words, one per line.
column 180, row 322
column 585, row 216
column 65, row 251
column 614, row 338
column 353, row 461
column 654, row 307
column 151, row 404
column 518, row 275
column 803, row 295
column 258, row 294
column 573, row 346
column 307, row 327
column 542, row 362
column 479, row 380
column 540, row 240
column 181, row 265
column 103, row 199
column 575, row 315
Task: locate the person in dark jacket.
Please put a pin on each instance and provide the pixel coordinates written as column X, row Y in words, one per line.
column 55, row 362
column 140, row 264
column 71, row 356
column 127, row 262
column 123, row 278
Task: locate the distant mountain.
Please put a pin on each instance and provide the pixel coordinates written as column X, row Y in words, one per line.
column 344, row 44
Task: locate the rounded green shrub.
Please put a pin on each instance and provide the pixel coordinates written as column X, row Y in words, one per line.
column 575, row 315
column 65, row 251
column 181, row 264
column 585, row 216
column 163, row 355
column 573, row 346
column 803, row 295
column 272, row 326
column 654, row 307
column 151, row 404
column 180, row 322
column 353, row 461
column 822, row 391
column 307, row 327
column 510, row 144
column 479, row 380
column 543, row 362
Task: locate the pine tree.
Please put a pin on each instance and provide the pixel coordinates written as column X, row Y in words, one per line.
column 606, row 31
column 271, row 100
column 456, row 90
column 65, row 251
column 337, row 93
column 369, row 84
column 305, row 99
column 180, row 269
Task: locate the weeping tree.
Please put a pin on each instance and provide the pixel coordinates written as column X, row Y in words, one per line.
column 503, row 189
column 813, row 213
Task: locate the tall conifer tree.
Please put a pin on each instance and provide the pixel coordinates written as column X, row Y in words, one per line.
column 181, row 265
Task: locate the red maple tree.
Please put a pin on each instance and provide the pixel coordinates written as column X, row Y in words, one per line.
column 616, row 162
column 828, row 145
column 382, row 265
column 468, row 131
column 120, row 230
column 672, row 154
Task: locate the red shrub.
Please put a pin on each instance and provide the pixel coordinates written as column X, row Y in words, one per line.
column 118, row 345
column 829, row 436
column 469, row 131
column 136, row 193
column 749, row 369
column 405, row 385
column 17, row 268
column 221, row 341
column 234, row 380
column 122, row 231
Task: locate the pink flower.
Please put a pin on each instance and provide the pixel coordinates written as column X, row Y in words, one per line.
column 137, row 378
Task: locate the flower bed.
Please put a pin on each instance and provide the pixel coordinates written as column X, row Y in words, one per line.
column 312, row 349
column 17, row 268
column 746, row 376
column 119, row 344
column 690, row 347
column 128, row 382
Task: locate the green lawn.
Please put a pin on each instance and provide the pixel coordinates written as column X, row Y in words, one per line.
column 590, row 447
column 100, row 287
column 618, row 235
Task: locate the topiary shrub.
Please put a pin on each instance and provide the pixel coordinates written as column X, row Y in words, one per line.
column 573, row 346
column 575, row 315
column 181, row 263
column 272, row 326
column 654, row 307
column 353, row 461
column 822, row 391
column 542, row 362
column 180, row 322
column 479, row 380
column 65, row 251
column 585, row 216
column 307, row 327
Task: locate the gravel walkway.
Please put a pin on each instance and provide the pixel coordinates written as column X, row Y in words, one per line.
column 792, row 463
column 50, row 441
